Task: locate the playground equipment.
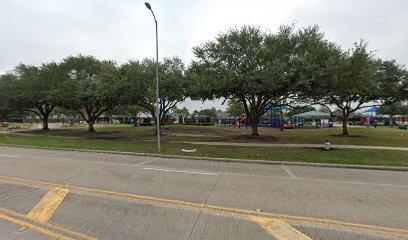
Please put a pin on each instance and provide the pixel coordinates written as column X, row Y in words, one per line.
column 370, row 113
column 362, row 122
column 273, row 119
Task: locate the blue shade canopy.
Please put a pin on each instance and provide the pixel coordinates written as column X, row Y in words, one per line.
column 371, row 110
column 277, row 108
column 312, row 114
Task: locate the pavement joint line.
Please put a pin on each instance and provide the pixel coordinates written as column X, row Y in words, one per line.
column 253, row 161
column 205, row 203
column 35, row 228
column 70, row 178
column 61, row 180
column 84, row 161
column 386, row 231
column 279, row 229
column 44, row 210
column 14, row 215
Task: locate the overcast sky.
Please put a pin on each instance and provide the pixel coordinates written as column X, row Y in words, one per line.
column 37, row 31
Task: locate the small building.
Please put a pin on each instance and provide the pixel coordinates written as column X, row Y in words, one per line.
column 202, row 118
column 145, row 119
column 314, row 119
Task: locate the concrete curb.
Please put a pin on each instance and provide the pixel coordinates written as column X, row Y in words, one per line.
column 349, row 166
column 299, row 145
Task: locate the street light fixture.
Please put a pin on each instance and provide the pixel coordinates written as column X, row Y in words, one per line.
column 157, row 80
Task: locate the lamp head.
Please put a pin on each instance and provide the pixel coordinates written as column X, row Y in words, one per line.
column 148, row 6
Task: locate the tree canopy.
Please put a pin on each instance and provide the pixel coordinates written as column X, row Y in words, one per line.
column 34, row 89
column 94, row 87
column 355, row 80
column 252, row 69
column 142, row 84
column 260, row 69
column 184, row 112
column 235, row 107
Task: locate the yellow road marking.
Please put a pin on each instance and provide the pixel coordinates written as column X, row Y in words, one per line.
column 35, row 228
column 279, row 229
column 44, row 210
column 386, row 231
column 48, row 225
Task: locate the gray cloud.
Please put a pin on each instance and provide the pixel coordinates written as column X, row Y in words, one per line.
column 36, row 31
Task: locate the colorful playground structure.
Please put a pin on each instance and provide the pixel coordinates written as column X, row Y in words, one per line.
column 312, row 119
column 272, row 119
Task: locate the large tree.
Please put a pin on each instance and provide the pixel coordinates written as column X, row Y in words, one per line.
column 141, row 76
column 300, row 109
column 184, row 112
column 249, row 65
column 35, row 89
column 395, row 108
column 354, row 80
column 95, row 87
column 211, row 112
column 5, row 83
column 404, row 87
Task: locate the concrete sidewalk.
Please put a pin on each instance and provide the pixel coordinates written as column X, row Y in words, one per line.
column 278, row 145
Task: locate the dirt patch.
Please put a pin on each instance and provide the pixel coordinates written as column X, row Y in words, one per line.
column 189, row 135
column 255, row 139
column 346, row 136
column 199, row 131
column 70, row 133
column 109, row 138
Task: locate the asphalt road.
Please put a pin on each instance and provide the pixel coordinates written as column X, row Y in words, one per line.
column 47, row 194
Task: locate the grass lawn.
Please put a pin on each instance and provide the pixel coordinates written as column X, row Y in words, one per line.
column 341, row 156
column 380, row 136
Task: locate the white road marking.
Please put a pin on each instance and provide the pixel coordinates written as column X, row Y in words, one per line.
column 138, row 164
column 180, row 171
column 290, row 173
column 10, row 156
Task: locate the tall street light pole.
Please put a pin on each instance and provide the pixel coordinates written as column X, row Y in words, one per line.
column 157, row 81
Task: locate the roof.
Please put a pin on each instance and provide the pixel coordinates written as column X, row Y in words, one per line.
column 202, row 116
column 312, row 114
column 144, row 115
column 172, row 114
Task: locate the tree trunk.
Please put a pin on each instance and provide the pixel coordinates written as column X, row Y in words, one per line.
column 91, row 123
column 392, row 121
column 254, row 126
column 345, row 121
column 281, row 121
column 91, row 127
column 45, row 122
